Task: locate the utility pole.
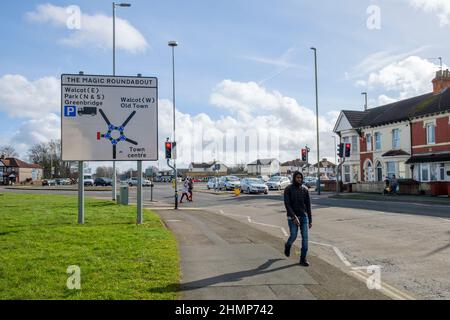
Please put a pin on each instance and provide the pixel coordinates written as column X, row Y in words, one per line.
column 317, row 120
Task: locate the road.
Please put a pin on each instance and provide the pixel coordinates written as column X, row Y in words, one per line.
column 409, row 241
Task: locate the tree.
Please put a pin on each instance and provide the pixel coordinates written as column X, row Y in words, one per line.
column 48, row 156
column 8, row 151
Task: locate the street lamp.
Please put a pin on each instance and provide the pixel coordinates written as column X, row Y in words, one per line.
column 173, row 44
column 317, row 120
column 114, row 5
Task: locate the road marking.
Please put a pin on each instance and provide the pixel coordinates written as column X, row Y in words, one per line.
column 337, row 251
column 173, row 220
column 256, row 222
column 446, row 220
column 385, row 288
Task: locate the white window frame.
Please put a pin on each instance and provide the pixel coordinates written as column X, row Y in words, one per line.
column 377, row 147
column 428, row 131
column 441, row 171
column 395, row 138
column 354, row 143
column 390, row 173
column 423, row 166
column 347, row 174
column 368, row 142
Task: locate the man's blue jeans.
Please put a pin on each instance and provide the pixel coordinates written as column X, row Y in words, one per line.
column 293, row 228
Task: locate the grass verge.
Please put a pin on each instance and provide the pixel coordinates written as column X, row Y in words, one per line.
column 40, row 239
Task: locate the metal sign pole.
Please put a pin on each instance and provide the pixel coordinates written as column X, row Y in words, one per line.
column 139, row 192
column 80, row 193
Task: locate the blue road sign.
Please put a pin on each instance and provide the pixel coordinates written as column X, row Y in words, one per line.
column 70, row 111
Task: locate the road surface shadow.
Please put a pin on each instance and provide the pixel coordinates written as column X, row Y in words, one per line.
column 223, row 278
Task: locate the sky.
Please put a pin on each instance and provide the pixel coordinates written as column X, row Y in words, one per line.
column 240, row 66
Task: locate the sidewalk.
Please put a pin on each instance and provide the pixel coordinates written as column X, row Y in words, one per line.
column 222, row 258
column 397, row 198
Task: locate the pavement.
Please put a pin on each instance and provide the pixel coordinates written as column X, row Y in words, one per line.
column 224, row 259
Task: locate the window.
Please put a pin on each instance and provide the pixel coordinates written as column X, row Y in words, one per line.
column 396, row 139
column 390, row 169
column 431, row 133
column 442, row 172
column 377, row 141
column 425, row 172
column 354, row 144
column 369, row 142
column 347, row 174
column 379, row 172
column 434, row 167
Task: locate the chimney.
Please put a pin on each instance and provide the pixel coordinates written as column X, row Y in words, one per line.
column 441, row 81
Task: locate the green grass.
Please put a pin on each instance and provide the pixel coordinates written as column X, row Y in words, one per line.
column 40, row 238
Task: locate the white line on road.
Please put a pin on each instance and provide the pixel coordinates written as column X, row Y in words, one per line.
column 446, row 220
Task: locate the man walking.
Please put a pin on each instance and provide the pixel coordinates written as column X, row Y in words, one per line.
column 298, row 208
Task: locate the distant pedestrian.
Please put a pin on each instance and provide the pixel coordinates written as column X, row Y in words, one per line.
column 298, row 208
column 394, row 184
column 185, row 191
column 190, row 189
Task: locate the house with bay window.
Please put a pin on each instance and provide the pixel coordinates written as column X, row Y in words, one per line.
column 409, row 139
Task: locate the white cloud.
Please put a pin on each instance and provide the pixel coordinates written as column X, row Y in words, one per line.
column 42, row 129
column 440, row 7
column 95, row 30
column 406, row 78
column 20, row 97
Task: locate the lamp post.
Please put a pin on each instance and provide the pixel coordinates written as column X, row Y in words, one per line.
column 173, row 44
column 317, row 120
column 114, row 5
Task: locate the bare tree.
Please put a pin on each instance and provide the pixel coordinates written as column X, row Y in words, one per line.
column 8, row 151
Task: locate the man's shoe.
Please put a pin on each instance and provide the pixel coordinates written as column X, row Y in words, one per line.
column 287, row 250
column 304, row 263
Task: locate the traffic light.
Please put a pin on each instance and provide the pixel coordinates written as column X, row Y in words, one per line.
column 168, row 145
column 347, row 150
column 303, row 154
column 341, row 150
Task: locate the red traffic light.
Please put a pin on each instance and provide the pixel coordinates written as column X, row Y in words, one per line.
column 168, row 149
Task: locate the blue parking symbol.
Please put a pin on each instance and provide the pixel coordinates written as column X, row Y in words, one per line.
column 70, row 111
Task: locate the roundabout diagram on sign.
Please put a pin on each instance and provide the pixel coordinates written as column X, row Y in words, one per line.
column 115, row 134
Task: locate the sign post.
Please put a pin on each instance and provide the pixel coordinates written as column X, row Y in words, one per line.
column 139, row 192
column 109, row 118
column 80, row 192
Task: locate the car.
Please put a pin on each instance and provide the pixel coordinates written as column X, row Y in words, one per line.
column 134, row 181
column 278, row 183
column 88, row 180
column 103, row 182
column 213, row 183
column 48, row 182
column 229, row 183
column 254, row 185
column 310, row 182
column 263, row 178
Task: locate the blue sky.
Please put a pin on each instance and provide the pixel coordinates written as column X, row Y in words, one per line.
column 261, row 42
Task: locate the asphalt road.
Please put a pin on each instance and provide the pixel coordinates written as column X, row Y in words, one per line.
column 410, row 242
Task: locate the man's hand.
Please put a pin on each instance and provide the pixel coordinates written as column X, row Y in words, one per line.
column 310, row 225
column 296, row 221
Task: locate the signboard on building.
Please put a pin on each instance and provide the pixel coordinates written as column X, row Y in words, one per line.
column 106, row 118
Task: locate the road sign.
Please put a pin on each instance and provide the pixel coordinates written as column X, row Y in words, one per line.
column 107, row 118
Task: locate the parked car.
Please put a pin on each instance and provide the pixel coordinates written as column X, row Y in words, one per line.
column 134, row 182
column 88, row 181
column 310, row 182
column 229, row 183
column 254, row 185
column 263, row 178
column 48, row 182
column 213, row 183
column 278, row 183
column 103, row 182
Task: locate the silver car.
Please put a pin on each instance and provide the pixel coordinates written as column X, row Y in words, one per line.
column 229, row 183
column 213, row 183
column 278, row 183
column 253, row 185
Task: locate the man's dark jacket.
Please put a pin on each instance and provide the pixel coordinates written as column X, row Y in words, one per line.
column 297, row 201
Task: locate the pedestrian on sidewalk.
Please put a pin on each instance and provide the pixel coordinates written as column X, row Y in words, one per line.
column 298, row 208
column 190, row 188
column 185, row 190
